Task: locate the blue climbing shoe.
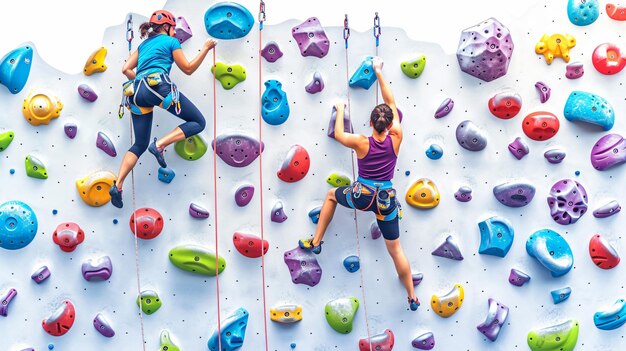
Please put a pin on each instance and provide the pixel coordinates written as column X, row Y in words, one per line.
column 307, row 245
column 116, row 196
column 157, row 153
column 413, row 304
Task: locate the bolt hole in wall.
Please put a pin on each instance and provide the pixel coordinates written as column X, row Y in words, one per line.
column 554, row 287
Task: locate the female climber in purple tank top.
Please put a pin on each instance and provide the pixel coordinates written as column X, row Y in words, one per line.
column 373, row 191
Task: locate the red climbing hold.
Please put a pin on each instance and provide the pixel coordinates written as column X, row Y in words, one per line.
column 602, row 253
column 540, row 125
column 505, row 105
column 608, row 59
column 295, row 166
column 68, row 235
column 149, row 223
column 249, row 245
column 380, row 342
column 61, row 321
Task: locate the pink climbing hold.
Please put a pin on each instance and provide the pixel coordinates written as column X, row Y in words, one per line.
column 311, row 38
column 68, row 236
column 295, row 166
column 380, row 342
column 149, row 223
column 303, row 267
column 271, row 52
column 250, row 245
column 243, row 195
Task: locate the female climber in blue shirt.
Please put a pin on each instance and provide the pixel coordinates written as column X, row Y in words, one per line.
column 151, row 86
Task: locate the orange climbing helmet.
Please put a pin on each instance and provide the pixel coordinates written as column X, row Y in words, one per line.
column 162, row 16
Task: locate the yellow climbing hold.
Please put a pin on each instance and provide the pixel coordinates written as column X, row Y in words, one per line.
column 229, row 75
column 94, row 188
column 447, row 305
column 40, row 107
column 555, row 45
column 423, row 194
column 95, row 63
column 286, row 314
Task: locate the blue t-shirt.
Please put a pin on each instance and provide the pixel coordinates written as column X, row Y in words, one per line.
column 155, row 54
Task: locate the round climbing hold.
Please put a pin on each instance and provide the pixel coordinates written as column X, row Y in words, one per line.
column 18, row 225
column 232, row 334
column 589, row 108
column 567, row 201
column 602, row 253
column 12, row 171
column 228, row 20
column 414, row 67
column 583, row 12
column 423, row 194
column 293, row 345
column 61, row 321
column 228, row 75
column 40, row 107
column 506, row 104
column 192, row 148
column 555, row 45
column 434, row 152
column 197, row 259
column 15, row 68
column 54, row 212
column 303, row 267
column 340, row 313
column 50, row 346
column 608, row 152
column 364, row 76
column 311, row 38
column 149, row 223
column 470, row 136
column 407, row 173
column 448, row 304
column 115, row 221
column 271, row 52
column 250, row 245
column 577, row 173
column 352, row 263
column 95, row 62
column 68, row 236
column 551, row 251
column 149, row 301
column 562, row 337
column 540, row 125
column 295, row 165
column 275, row 106
column 243, row 194
column 608, row 59
column 94, row 188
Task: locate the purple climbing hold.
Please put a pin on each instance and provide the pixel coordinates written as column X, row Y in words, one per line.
column 470, row 136
column 70, row 130
column 609, row 151
column 485, row 50
column 554, row 155
column 103, row 326
column 105, row 144
column 574, row 70
column 446, row 107
column 278, row 214
column 607, row 210
column 544, row 91
column 99, row 269
column 425, row 341
column 182, row 30
column 567, row 201
column 303, row 267
column 519, row 148
column 495, row 320
column 514, row 193
column 417, row 278
column 311, row 38
column 449, row 249
column 316, row 85
column 87, row 93
column 5, row 301
column 243, row 194
column 41, row 274
column 375, row 231
column 518, row 278
column 271, row 52
column 464, row 194
column 347, row 123
column 237, row 150
column 197, row 211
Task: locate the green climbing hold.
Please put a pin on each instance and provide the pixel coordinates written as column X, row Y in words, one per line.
column 166, row 342
column 35, row 168
column 196, row 259
column 191, row 148
column 561, row 337
column 229, row 75
column 336, row 180
column 6, row 138
column 150, row 301
column 414, row 68
column 340, row 313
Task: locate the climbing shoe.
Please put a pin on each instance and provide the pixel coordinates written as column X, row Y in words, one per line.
column 116, row 196
column 413, row 304
column 307, row 245
column 158, row 153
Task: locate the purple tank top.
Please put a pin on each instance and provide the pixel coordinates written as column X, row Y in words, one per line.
column 380, row 161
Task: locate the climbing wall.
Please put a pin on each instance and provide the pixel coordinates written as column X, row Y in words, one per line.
column 192, row 304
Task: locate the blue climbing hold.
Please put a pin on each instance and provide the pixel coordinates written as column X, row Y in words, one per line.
column 115, row 221
column 275, row 109
column 18, row 225
column 612, row 318
column 314, row 214
column 407, row 173
column 293, row 345
column 434, row 152
column 233, row 332
column 15, row 68
column 583, row 12
column 577, row 173
column 351, row 263
column 590, row 108
column 54, row 212
column 560, row 295
column 166, row 175
column 496, row 236
column 551, row 250
column 364, row 76
column 50, row 346
column 228, row 20
column 12, row 171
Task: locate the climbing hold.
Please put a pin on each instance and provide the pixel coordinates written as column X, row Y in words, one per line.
column 95, row 62
column 35, row 168
column 577, row 173
column 514, row 193
column 182, row 32
column 61, row 321
column 12, row 171
column 518, row 278
column 314, row 214
column 470, row 136
column 413, row 68
column 40, row 107
column 464, row 194
column 295, row 165
column 485, row 50
column 611, row 318
column 5, row 301
column 583, row 12
column 40, row 275
column 278, row 214
column 608, row 59
column 166, row 175
column 197, row 211
column 316, row 85
column 286, row 314
column 444, row 108
column 589, row 108
column 364, row 76
column 574, row 70
column 379, row 342
column 425, row 341
column 149, row 223
column 540, row 125
column 233, row 332
column 15, row 68
column 271, row 52
column 166, row 342
column 519, row 148
column 197, row 259
column 94, row 188
column 560, row 295
column 243, row 194
column 375, row 231
column 561, row 337
column 229, row 75
column 237, row 150
column 275, row 106
column 496, row 236
column 6, row 137
column 87, row 93
column 250, row 245
column 68, row 236
column 554, row 155
column 347, row 123
column 292, row 345
column 506, row 104
column 567, row 201
column 18, row 225
column 551, row 250
column 607, row 210
column 303, row 267
column 311, row 38
column 337, row 180
column 97, row 269
column 496, row 316
column 340, row 313
column 70, row 130
column 228, row 20
column 417, row 278
column 616, row 12
column 555, row 45
column 105, row 144
column 352, row 263
column 544, row 91
column 102, row 325
column 602, row 253
column 434, row 152
column 447, row 305
column 608, row 151
column 149, row 301
column 423, row 194
column 449, row 249
column 192, row 148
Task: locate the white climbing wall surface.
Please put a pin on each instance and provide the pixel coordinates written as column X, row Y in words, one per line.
column 189, row 302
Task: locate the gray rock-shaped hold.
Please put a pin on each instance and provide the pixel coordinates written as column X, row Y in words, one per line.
column 554, row 155
column 449, row 249
column 470, row 136
column 514, row 193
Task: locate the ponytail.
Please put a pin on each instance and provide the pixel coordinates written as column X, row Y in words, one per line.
column 381, row 117
column 148, row 30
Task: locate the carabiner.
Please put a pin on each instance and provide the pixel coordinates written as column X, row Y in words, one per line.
column 346, row 30
column 262, row 12
column 130, row 35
